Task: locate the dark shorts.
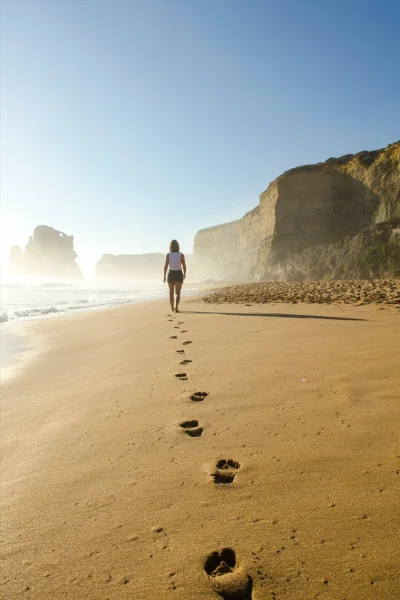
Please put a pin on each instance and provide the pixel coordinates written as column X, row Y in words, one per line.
column 175, row 276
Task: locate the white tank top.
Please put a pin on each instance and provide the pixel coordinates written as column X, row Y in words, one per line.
column 175, row 259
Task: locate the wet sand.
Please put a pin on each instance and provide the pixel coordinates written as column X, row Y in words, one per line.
column 270, row 468
column 15, row 351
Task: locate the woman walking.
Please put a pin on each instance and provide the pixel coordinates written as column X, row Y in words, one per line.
column 175, row 260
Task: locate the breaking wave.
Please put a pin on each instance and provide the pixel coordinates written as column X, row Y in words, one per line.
column 26, row 302
column 19, row 303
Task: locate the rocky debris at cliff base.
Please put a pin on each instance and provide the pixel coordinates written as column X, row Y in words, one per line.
column 357, row 292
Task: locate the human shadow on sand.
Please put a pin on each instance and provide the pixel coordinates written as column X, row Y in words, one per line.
column 280, row 315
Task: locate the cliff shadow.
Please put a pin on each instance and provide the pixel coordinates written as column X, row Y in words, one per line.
column 278, row 315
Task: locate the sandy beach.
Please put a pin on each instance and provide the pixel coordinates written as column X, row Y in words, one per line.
column 270, row 469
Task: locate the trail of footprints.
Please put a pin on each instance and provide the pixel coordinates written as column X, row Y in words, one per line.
column 226, row 578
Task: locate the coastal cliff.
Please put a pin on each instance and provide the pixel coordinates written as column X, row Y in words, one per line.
column 229, row 250
column 332, row 220
column 48, row 254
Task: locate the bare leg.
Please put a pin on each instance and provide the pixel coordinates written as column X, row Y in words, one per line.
column 178, row 287
column 171, row 294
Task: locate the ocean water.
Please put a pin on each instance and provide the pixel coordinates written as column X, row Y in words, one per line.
column 22, row 302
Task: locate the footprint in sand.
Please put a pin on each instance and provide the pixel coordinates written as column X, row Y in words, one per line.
column 184, row 331
column 186, row 361
column 186, row 343
column 198, row 396
column 173, row 337
column 177, row 327
column 225, row 471
column 180, row 351
column 180, row 322
column 182, row 376
column 192, row 428
column 226, row 578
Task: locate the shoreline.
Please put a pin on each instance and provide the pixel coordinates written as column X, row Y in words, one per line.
column 21, row 343
column 18, row 345
column 16, row 349
column 51, row 311
column 109, row 491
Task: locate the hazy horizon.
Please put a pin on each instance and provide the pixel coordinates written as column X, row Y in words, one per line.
column 128, row 124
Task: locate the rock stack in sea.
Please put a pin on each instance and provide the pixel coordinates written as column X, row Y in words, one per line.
column 48, row 254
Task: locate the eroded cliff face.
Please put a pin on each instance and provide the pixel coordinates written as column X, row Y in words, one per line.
column 49, row 254
column 338, row 219
column 317, row 221
column 228, row 251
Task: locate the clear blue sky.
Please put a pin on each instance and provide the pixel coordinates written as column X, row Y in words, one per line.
column 127, row 123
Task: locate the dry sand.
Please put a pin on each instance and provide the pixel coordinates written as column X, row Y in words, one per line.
column 105, row 496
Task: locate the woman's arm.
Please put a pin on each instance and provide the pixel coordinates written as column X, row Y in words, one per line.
column 183, row 265
column 166, row 266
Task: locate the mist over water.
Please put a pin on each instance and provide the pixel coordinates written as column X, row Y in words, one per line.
column 26, row 300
